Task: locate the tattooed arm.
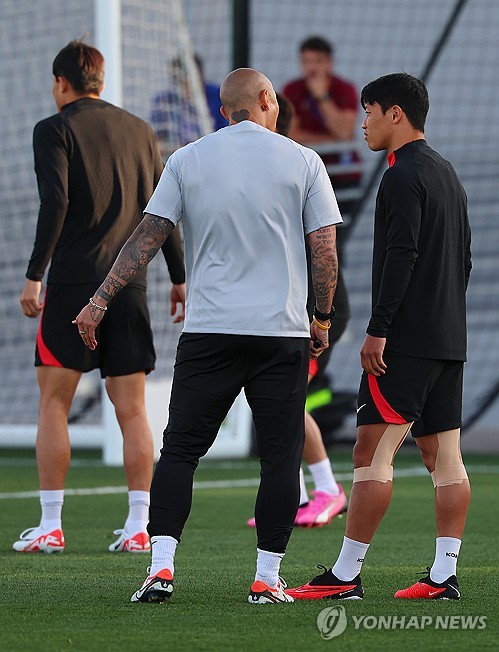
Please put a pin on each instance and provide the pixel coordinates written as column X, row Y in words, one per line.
column 324, row 272
column 137, row 253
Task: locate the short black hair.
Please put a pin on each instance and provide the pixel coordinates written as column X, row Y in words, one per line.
column 318, row 44
column 82, row 65
column 286, row 112
column 402, row 89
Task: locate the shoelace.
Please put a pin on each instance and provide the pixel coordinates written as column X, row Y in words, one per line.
column 282, row 583
column 24, row 535
column 119, row 532
column 426, row 572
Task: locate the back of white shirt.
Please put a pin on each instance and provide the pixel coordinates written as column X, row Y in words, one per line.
column 247, row 197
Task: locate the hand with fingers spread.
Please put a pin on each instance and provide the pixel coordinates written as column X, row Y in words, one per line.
column 88, row 320
column 30, row 298
column 371, row 355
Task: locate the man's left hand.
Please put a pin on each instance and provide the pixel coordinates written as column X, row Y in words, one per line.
column 371, row 355
column 318, row 335
column 177, row 296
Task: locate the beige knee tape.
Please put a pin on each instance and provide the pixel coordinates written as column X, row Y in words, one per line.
column 381, row 467
column 449, row 467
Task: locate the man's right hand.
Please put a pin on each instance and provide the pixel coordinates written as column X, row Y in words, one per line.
column 30, row 298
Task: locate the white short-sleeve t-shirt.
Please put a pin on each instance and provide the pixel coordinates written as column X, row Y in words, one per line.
column 247, row 197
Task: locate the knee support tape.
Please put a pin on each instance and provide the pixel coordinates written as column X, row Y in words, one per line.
column 449, row 467
column 381, row 467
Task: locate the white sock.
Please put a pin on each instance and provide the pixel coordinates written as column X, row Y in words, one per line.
column 267, row 567
column 323, row 476
column 138, row 512
column 446, row 556
column 163, row 554
column 51, row 502
column 350, row 559
column 303, row 489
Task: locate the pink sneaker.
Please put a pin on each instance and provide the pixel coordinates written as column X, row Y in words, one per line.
column 322, row 509
column 252, row 523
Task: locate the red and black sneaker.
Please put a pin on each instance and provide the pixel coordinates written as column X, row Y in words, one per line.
column 426, row 589
column 327, row 586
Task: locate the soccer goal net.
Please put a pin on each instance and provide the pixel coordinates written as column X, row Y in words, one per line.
column 153, row 72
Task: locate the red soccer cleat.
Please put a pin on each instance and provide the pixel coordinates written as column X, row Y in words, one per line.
column 328, row 586
column 426, row 589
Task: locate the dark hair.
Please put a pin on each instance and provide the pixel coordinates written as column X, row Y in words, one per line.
column 407, row 91
column 318, row 44
column 82, row 65
column 286, row 112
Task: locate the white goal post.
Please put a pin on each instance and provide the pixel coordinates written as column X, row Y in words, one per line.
column 141, row 43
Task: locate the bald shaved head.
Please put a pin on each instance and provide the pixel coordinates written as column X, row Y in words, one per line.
column 246, row 94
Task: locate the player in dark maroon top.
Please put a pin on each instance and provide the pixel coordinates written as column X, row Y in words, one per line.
column 96, row 168
column 415, row 348
column 326, row 109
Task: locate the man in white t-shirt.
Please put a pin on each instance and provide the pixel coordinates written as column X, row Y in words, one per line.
column 248, row 198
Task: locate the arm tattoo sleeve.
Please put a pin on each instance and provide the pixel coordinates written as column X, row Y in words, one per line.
column 324, row 266
column 137, row 252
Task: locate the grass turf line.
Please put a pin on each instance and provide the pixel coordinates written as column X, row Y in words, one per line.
column 80, row 600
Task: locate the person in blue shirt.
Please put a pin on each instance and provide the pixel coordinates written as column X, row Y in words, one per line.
column 174, row 116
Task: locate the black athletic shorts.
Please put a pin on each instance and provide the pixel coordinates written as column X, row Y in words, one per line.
column 428, row 392
column 125, row 342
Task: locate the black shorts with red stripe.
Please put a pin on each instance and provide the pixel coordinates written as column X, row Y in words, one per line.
column 125, row 341
column 425, row 391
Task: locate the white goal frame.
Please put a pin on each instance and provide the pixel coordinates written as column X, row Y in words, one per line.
column 234, row 439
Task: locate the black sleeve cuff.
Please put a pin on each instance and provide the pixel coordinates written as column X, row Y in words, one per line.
column 375, row 332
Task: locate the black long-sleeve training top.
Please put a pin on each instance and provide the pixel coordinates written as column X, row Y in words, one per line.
column 96, row 166
column 422, row 256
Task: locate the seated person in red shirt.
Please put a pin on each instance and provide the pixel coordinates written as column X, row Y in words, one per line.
column 326, row 109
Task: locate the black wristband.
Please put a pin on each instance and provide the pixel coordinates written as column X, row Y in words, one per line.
column 324, row 316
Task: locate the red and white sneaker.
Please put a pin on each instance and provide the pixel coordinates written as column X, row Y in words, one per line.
column 252, row 523
column 426, row 589
column 155, row 588
column 261, row 593
column 35, row 539
column 139, row 542
column 322, row 509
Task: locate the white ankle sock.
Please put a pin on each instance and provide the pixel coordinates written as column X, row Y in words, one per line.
column 323, row 476
column 51, row 502
column 446, row 556
column 267, row 567
column 138, row 512
column 163, row 554
column 350, row 559
column 303, row 489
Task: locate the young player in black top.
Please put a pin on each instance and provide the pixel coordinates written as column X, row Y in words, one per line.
column 96, row 167
column 415, row 347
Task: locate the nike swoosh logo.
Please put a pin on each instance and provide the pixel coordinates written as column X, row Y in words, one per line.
column 360, row 408
column 432, row 593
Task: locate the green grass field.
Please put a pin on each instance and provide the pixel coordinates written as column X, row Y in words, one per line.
column 80, row 600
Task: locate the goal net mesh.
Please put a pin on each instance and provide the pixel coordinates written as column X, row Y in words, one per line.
column 370, row 38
